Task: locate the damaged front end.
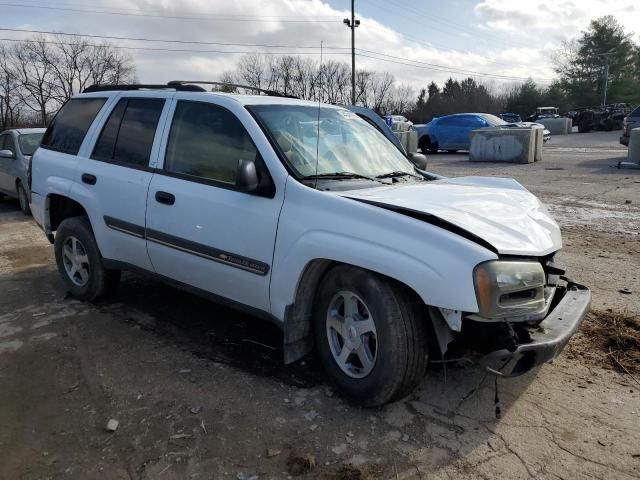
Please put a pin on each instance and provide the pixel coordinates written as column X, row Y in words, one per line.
column 528, row 311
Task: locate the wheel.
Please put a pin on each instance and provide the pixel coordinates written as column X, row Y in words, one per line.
column 426, row 146
column 370, row 334
column 80, row 263
column 452, row 151
column 23, row 199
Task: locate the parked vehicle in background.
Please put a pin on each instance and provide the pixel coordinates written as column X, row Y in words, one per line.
column 16, row 148
column 543, row 112
column 400, row 123
column 630, row 122
column 510, row 117
column 604, row 117
column 376, row 263
column 453, row 132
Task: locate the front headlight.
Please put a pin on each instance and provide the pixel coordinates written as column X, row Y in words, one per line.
column 509, row 288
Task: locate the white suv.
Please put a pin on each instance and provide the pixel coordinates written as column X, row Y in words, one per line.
column 309, row 216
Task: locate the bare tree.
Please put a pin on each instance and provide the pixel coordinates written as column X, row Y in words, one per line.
column 9, row 98
column 32, row 66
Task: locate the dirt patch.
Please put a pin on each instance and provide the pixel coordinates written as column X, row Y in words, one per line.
column 356, row 472
column 609, row 339
column 24, row 257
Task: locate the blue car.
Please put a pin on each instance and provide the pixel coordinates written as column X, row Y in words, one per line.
column 453, row 132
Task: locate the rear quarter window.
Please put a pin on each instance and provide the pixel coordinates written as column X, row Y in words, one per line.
column 69, row 127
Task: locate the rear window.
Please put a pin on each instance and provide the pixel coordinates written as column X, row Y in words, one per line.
column 636, row 112
column 69, row 127
column 128, row 135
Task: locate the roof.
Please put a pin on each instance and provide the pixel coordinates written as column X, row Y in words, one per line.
column 240, row 98
column 24, row 131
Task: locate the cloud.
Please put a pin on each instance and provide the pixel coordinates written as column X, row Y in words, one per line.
column 553, row 17
column 526, row 29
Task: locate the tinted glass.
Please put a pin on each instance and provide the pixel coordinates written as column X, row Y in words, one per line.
column 207, row 141
column 635, row 113
column 127, row 137
column 69, row 127
column 137, row 130
column 107, row 141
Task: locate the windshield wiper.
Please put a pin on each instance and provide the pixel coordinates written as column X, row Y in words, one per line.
column 399, row 173
column 343, row 176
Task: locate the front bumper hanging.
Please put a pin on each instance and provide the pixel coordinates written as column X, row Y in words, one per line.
column 547, row 339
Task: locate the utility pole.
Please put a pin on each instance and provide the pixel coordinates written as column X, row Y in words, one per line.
column 352, row 23
column 606, row 84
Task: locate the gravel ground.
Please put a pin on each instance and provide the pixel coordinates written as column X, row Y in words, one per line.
column 200, row 391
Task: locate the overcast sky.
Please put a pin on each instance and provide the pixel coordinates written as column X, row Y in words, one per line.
column 417, row 41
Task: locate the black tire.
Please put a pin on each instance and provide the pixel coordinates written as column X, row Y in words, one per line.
column 401, row 358
column 452, row 151
column 100, row 281
column 433, row 148
column 23, row 198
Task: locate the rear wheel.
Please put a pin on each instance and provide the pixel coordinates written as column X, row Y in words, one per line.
column 23, row 199
column 370, row 335
column 79, row 261
column 452, row 151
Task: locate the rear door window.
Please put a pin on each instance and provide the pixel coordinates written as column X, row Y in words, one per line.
column 636, row 112
column 127, row 136
column 69, row 127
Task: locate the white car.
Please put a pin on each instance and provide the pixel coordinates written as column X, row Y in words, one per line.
column 310, row 217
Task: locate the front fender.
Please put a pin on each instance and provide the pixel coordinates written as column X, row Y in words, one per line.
column 435, row 263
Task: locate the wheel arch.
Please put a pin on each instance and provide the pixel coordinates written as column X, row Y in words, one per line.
column 297, row 325
column 59, row 207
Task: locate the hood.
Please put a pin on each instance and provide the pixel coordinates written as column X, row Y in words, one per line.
column 499, row 211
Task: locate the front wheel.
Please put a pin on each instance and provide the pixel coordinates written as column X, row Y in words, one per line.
column 370, row 334
column 79, row 261
column 23, row 199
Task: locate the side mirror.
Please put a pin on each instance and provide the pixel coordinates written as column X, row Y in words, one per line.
column 419, row 160
column 247, row 177
column 7, row 154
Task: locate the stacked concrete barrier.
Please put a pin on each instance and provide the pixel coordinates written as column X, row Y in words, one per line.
column 409, row 140
column 514, row 145
column 557, row 126
column 634, row 146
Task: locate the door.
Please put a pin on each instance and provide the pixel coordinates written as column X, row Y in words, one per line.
column 201, row 230
column 114, row 180
column 8, row 166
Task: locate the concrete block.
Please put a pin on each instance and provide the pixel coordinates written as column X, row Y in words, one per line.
column 514, row 145
column 538, row 143
column 409, row 140
column 557, row 126
column 633, row 154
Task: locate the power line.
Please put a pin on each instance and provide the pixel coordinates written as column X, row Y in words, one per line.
column 198, row 14
column 225, row 18
column 456, row 29
column 442, row 68
column 159, row 40
column 433, row 45
column 182, row 50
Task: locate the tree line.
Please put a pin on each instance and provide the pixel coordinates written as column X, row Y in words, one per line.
column 39, row 74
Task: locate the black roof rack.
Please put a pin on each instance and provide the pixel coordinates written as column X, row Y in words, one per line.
column 142, row 86
column 187, row 83
column 180, row 86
